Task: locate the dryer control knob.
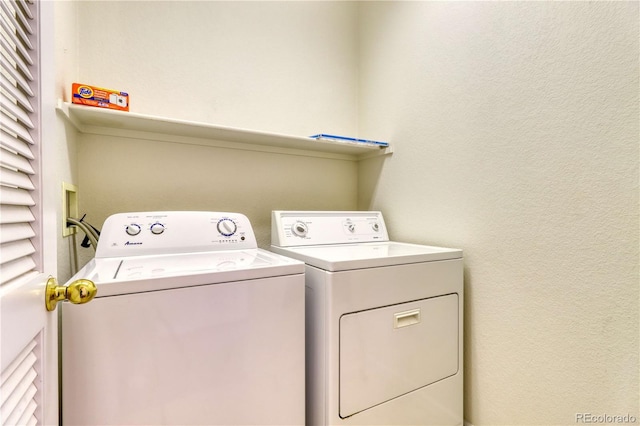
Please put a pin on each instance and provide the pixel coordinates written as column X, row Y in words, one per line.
column 133, row 229
column 351, row 227
column 227, row 227
column 300, row 229
column 157, row 228
column 375, row 227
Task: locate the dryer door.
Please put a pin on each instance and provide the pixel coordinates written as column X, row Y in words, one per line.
column 390, row 351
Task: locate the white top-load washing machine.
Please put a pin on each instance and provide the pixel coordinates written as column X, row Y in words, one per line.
column 192, row 324
column 384, row 321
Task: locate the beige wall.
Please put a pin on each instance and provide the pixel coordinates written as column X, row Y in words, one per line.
column 515, row 127
column 119, row 174
column 268, row 66
column 286, row 67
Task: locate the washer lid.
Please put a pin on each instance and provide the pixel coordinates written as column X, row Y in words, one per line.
column 134, row 274
column 343, row 257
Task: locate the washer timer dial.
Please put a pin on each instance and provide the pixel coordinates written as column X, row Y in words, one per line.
column 157, row 228
column 227, row 227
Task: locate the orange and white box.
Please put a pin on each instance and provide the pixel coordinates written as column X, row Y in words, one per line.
column 84, row 94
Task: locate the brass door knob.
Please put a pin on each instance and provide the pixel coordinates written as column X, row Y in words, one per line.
column 78, row 292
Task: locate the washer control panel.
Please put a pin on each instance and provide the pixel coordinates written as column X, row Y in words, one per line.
column 172, row 232
column 302, row 228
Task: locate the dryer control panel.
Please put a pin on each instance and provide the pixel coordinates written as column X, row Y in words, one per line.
column 173, row 232
column 304, row 228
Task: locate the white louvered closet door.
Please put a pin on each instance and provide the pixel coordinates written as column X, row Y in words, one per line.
column 28, row 333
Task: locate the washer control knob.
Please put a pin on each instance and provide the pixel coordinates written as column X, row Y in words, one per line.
column 157, row 228
column 227, row 227
column 351, row 227
column 133, row 229
column 375, row 227
column 300, row 229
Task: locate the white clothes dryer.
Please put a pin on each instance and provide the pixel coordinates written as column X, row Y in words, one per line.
column 192, row 324
column 384, row 323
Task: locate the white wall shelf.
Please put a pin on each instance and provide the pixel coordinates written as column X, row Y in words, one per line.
column 100, row 121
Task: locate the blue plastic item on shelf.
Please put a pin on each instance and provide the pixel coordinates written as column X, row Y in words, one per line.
column 347, row 139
